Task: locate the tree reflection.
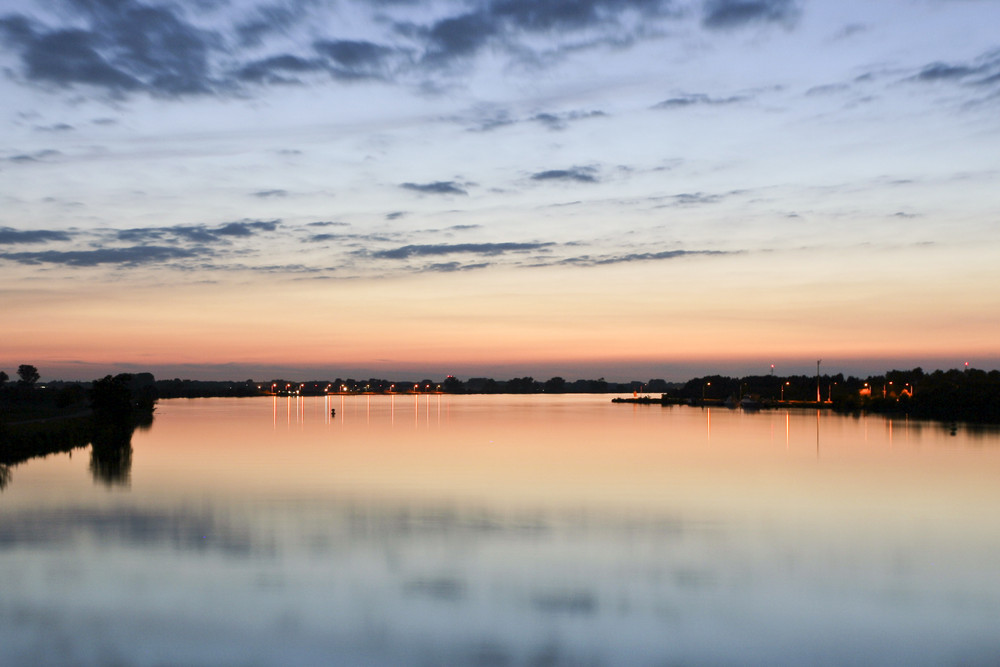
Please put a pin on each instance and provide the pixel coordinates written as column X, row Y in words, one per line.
column 121, row 404
column 4, row 476
column 111, row 453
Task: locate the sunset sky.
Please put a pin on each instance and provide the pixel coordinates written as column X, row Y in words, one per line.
column 631, row 189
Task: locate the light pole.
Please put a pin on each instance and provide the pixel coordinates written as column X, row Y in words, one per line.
column 783, row 390
column 707, row 384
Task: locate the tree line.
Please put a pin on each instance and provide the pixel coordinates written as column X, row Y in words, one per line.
column 970, row 395
column 951, row 395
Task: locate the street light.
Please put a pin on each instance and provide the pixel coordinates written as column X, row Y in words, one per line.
column 783, row 390
column 707, row 384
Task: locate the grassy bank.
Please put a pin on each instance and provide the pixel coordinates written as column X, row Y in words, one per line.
column 40, row 436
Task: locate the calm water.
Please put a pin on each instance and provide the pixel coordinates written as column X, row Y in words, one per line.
column 505, row 530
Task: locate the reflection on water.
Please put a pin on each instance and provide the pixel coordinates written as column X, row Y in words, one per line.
column 506, row 531
column 111, row 453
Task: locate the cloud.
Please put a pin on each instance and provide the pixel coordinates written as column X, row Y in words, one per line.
column 546, row 15
column 57, row 127
column 353, row 239
column 131, row 256
column 353, row 53
column 984, row 70
column 9, row 235
column 395, row 215
column 458, row 36
column 263, row 194
column 124, row 47
column 358, row 59
column 697, row 99
column 120, row 46
column 945, row 72
column 587, row 260
column 559, row 121
column 452, row 267
column 691, row 198
column 989, row 81
column 198, row 233
column 267, row 20
column 34, row 157
column 827, row 89
column 493, row 119
column 437, row 187
column 247, row 227
column 276, row 69
column 578, row 174
column 850, row 30
column 408, row 251
column 502, row 23
column 726, row 14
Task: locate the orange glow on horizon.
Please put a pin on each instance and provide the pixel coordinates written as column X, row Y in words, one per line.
column 526, row 318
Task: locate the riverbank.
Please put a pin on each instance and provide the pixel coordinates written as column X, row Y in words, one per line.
column 27, row 439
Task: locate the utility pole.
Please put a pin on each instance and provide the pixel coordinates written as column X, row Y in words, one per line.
column 818, row 361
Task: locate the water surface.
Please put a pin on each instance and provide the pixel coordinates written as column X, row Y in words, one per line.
column 503, row 530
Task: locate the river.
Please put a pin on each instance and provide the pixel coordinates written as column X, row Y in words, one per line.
column 505, row 530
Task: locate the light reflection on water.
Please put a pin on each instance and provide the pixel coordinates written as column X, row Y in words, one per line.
column 506, row 530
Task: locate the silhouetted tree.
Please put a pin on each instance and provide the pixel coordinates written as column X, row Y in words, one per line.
column 453, row 385
column 142, row 388
column 28, row 374
column 556, row 385
column 3, row 378
column 525, row 385
column 657, row 386
column 111, row 397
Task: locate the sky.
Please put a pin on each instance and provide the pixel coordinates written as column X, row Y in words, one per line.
column 627, row 189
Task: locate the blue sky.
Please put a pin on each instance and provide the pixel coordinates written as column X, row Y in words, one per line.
column 802, row 175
